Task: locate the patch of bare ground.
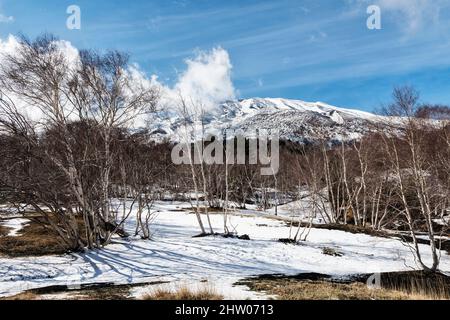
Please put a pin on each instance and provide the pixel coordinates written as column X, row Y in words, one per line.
column 26, row 296
column 34, row 239
column 4, row 231
column 104, row 291
column 394, row 286
column 119, row 292
column 183, row 293
column 211, row 210
column 245, row 237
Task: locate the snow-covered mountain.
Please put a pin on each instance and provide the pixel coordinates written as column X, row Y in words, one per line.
column 296, row 120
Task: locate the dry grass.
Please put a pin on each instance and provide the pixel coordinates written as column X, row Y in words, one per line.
column 434, row 286
column 23, row 297
column 4, row 231
column 295, row 289
column 35, row 239
column 183, row 293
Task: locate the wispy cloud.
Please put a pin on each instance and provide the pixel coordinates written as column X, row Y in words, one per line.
column 417, row 12
column 410, row 15
column 6, row 19
column 317, row 36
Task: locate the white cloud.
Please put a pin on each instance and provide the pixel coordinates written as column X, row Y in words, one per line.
column 6, row 19
column 206, row 80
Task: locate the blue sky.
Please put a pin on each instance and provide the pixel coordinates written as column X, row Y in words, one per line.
column 314, row 50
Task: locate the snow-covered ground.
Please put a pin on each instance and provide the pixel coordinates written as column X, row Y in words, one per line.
column 14, row 225
column 300, row 210
column 175, row 256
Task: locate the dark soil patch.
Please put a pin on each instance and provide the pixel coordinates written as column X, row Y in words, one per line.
column 211, row 210
column 223, row 235
column 299, row 277
column 235, row 236
column 203, row 235
column 287, row 241
column 332, row 252
column 100, row 291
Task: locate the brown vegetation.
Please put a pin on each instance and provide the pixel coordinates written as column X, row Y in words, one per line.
column 183, row 293
column 3, row 231
column 395, row 286
column 34, row 239
column 430, row 285
column 26, row 296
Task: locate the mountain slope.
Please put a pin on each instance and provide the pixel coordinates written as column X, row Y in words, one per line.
column 296, row 120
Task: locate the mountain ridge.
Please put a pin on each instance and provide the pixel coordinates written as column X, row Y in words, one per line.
column 296, row 120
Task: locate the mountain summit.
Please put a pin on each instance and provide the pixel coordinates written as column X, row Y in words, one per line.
column 296, row 120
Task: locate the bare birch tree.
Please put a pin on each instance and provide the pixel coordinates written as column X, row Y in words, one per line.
column 95, row 91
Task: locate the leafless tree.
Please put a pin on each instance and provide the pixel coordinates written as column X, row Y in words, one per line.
column 94, row 91
column 413, row 170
